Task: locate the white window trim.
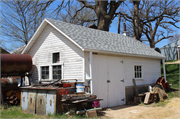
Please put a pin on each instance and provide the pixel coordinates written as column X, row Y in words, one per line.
column 50, row 68
column 55, row 64
column 59, row 57
column 134, row 64
column 50, row 71
column 40, row 72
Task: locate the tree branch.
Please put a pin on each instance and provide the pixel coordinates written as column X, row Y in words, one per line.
column 86, row 4
column 162, row 39
column 77, row 12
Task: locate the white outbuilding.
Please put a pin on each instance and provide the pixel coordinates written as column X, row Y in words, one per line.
column 105, row 61
column 171, row 50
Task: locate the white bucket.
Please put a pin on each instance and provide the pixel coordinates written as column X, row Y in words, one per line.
column 150, row 89
column 80, row 88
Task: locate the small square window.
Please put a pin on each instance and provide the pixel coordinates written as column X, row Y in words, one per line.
column 56, row 57
column 138, row 71
column 45, row 72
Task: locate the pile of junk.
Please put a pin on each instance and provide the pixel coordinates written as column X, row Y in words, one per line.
column 154, row 93
column 60, row 96
column 14, row 68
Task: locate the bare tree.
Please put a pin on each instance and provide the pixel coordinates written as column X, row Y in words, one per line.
column 19, row 20
column 71, row 14
column 104, row 10
column 153, row 19
column 175, row 37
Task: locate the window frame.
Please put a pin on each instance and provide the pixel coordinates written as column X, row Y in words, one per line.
column 61, row 70
column 53, row 57
column 50, row 72
column 137, row 71
column 41, row 72
column 51, row 64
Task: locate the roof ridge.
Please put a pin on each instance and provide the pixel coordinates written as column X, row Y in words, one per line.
column 94, row 39
column 91, row 28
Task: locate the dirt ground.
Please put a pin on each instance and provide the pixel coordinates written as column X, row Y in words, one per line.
column 170, row 111
column 176, row 62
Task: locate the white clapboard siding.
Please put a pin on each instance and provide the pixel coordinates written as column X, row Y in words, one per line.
column 151, row 70
column 110, row 67
column 51, row 41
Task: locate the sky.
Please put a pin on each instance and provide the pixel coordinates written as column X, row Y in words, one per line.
column 114, row 26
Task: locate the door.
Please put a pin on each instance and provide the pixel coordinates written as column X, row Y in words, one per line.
column 51, row 102
column 31, row 101
column 115, row 87
column 24, row 99
column 108, row 80
column 41, row 102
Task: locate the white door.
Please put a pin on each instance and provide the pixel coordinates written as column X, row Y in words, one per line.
column 108, row 80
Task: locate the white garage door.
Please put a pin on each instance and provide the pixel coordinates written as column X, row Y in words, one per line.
column 108, row 80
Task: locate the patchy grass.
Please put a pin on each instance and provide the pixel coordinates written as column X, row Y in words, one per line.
column 171, row 60
column 17, row 112
column 173, row 93
column 171, row 68
column 174, row 80
column 172, row 74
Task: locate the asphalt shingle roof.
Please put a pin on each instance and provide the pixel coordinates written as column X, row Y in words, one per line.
column 94, row 39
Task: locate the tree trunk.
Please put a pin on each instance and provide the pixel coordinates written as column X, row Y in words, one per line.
column 151, row 42
column 136, row 20
column 104, row 20
column 103, row 23
column 152, row 45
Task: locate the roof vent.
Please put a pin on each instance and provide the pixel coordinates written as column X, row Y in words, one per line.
column 124, row 33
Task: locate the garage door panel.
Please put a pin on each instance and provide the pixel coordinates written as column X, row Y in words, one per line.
column 100, row 78
column 108, row 68
column 115, row 69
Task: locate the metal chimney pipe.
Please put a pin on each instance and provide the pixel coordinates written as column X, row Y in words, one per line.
column 124, row 33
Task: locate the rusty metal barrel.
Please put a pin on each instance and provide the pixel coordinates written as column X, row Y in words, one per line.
column 15, row 63
column 9, row 81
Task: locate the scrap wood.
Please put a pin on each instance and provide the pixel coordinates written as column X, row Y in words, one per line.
column 147, row 98
column 135, row 87
column 161, row 93
column 77, row 101
column 91, row 113
column 75, row 97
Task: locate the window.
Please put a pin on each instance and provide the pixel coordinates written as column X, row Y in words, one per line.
column 53, row 70
column 56, row 72
column 138, row 71
column 45, row 72
column 56, row 57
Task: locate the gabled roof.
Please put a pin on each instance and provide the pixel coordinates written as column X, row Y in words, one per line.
column 89, row 39
column 3, row 51
column 18, row 50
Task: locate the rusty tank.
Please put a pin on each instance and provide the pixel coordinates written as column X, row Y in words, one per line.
column 15, row 64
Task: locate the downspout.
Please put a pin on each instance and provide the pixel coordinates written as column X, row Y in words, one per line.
column 178, row 53
column 164, row 69
column 90, row 71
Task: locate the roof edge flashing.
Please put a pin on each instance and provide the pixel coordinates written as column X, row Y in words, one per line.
column 125, row 54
